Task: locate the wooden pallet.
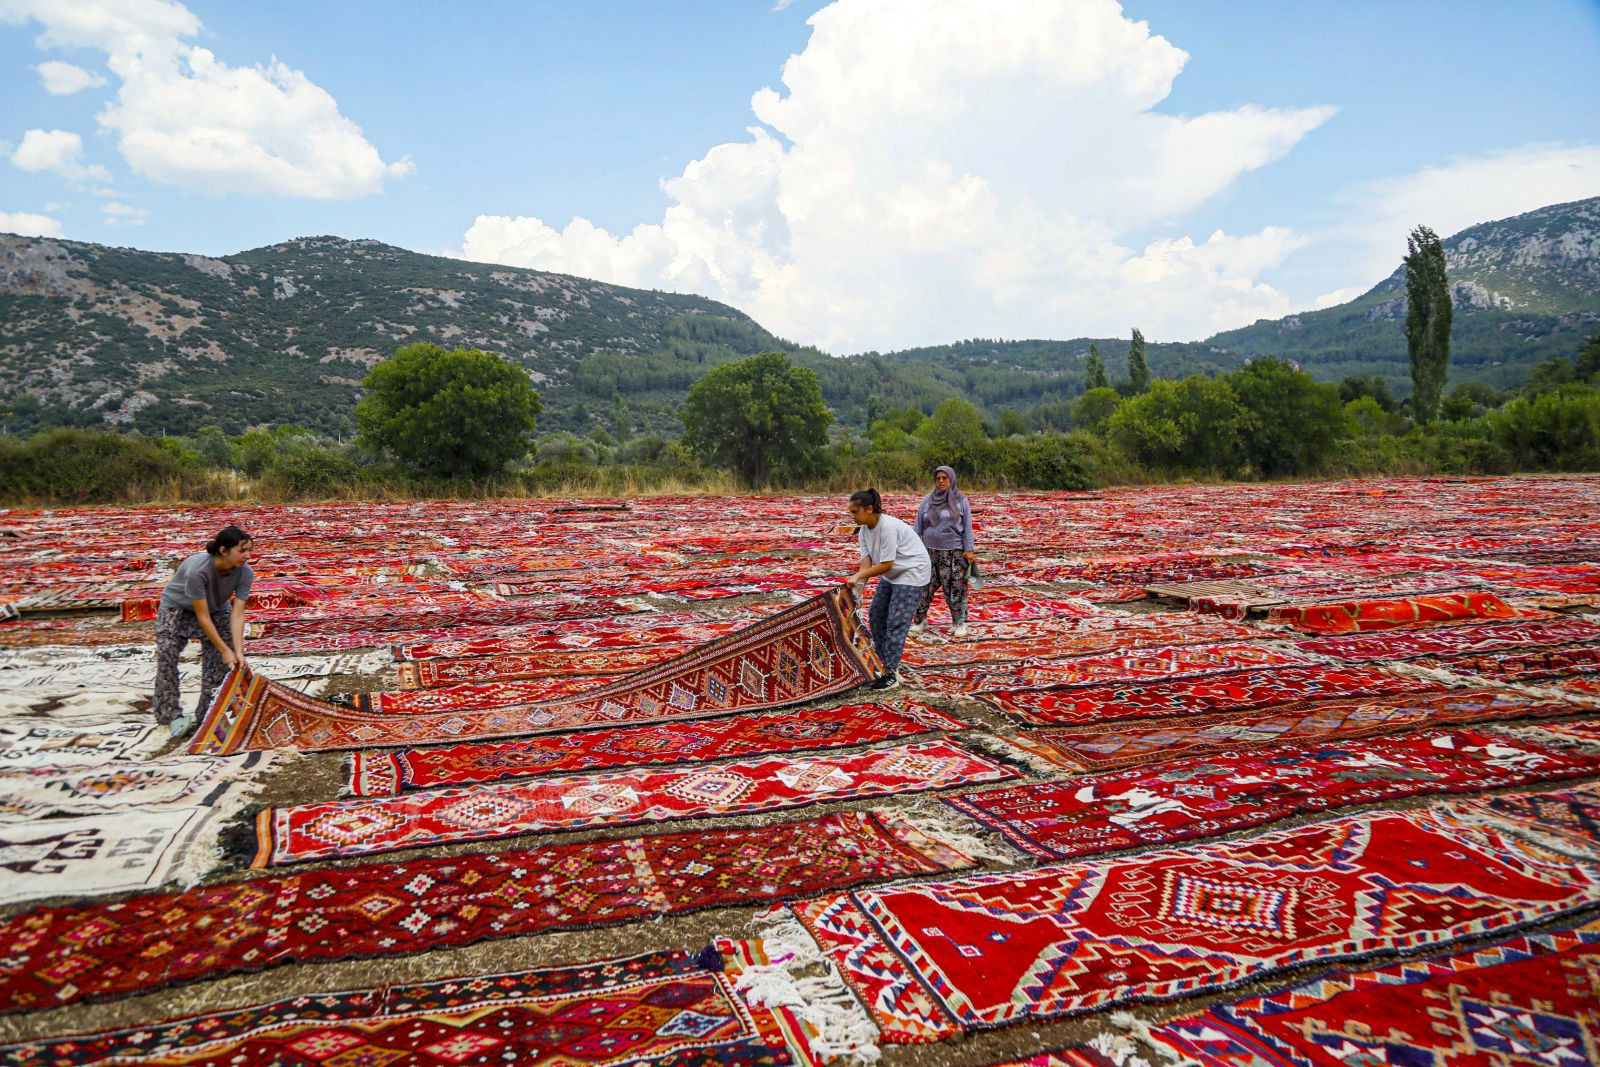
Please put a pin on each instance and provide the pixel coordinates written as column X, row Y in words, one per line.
column 64, row 602
column 1256, row 599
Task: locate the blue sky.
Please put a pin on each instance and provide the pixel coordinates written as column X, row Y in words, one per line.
column 928, row 170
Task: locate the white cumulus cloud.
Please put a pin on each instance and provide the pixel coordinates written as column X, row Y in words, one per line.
column 57, row 152
column 29, row 224
column 938, row 169
column 1451, row 197
column 184, row 118
column 64, row 79
column 120, row 214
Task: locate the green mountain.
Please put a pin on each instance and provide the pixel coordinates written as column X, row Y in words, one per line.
column 91, row 335
column 1526, row 289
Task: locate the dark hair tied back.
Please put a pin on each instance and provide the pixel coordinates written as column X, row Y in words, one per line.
column 227, row 537
column 868, row 498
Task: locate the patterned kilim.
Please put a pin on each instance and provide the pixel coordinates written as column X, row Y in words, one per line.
column 1585, row 731
column 933, row 958
column 428, row 673
column 812, row 650
column 1532, row 664
column 92, row 951
column 664, row 1009
column 384, row 773
column 1184, row 799
column 480, row 695
column 1198, row 696
column 1530, row 1001
column 26, row 743
column 1454, row 640
column 1573, row 814
column 1132, row 665
column 1057, row 644
column 1098, row 749
column 616, row 798
column 1354, row 616
column 142, row 785
column 581, row 635
column 114, row 852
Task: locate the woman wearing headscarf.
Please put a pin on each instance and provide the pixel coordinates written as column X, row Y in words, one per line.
column 944, row 522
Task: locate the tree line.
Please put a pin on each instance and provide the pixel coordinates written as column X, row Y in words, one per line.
column 437, row 421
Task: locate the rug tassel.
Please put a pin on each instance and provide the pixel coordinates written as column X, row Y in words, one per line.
column 998, row 747
column 1141, row 1033
column 839, row 1025
column 954, row 830
column 235, row 841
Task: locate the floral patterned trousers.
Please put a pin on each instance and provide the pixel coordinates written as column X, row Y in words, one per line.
column 949, row 575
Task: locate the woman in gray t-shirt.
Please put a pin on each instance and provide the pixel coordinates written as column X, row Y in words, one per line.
column 199, row 601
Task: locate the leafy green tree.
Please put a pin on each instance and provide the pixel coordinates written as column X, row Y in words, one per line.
column 1428, row 314
column 1010, row 424
column 1047, row 461
column 1095, row 408
column 1294, row 420
column 1559, row 430
column 1356, row 386
column 762, row 417
column 1138, row 368
column 1196, row 424
column 213, row 448
column 461, row 413
column 954, row 436
column 1094, row 369
column 1587, row 365
column 254, row 451
column 1367, row 418
column 893, row 429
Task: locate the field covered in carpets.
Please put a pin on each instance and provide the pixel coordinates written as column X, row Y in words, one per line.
column 1219, row 755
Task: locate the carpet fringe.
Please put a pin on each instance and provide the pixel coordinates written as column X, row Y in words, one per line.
column 840, row 1025
column 1468, row 815
column 220, row 840
column 996, row 745
column 1139, row 1032
column 954, row 830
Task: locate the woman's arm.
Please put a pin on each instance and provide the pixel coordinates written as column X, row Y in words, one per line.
column 966, row 531
column 237, row 625
column 202, row 614
column 868, row 569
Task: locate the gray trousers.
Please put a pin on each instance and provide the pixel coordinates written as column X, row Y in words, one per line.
column 893, row 608
column 176, row 627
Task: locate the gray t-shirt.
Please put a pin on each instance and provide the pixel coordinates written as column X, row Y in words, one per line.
column 197, row 579
column 893, row 540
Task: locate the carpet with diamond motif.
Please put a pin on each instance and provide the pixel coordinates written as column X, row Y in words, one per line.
column 663, row 1009
column 814, row 649
column 83, row 951
column 374, row 774
column 1529, row 1000
column 1179, row 800
column 1198, row 696
column 1089, row 748
column 614, row 798
column 932, row 959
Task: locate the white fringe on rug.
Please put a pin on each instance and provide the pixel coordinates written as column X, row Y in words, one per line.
column 996, row 744
column 1121, row 1047
column 803, row 980
column 203, row 852
column 954, row 830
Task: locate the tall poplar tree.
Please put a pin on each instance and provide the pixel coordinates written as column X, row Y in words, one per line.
column 1095, row 370
column 1428, row 314
column 1138, row 369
